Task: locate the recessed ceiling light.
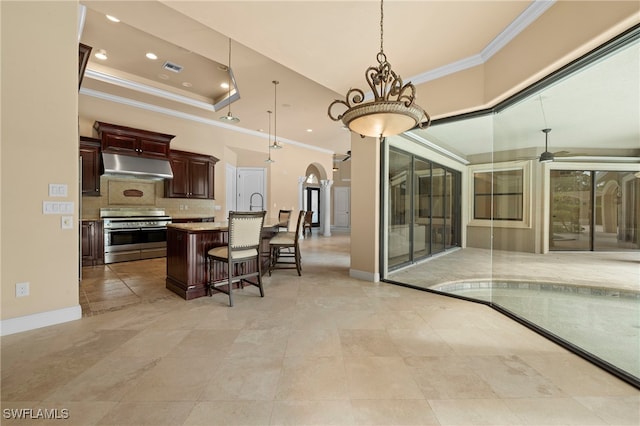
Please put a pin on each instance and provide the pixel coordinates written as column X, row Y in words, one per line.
column 163, row 77
column 186, row 84
column 112, row 18
column 224, row 85
column 101, row 54
column 151, row 55
column 309, row 130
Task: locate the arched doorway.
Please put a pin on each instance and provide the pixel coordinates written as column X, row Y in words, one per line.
column 316, row 197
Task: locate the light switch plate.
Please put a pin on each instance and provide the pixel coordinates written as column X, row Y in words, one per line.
column 58, row 190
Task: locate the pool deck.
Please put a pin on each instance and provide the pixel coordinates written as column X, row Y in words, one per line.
column 619, row 270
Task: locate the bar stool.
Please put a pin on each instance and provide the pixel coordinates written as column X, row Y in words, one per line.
column 286, row 240
column 245, row 230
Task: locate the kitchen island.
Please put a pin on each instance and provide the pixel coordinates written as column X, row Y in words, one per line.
column 187, row 247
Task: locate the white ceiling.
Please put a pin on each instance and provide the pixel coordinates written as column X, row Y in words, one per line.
column 320, row 49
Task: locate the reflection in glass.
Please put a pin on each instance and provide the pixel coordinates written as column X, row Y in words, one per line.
column 438, row 202
column 570, row 210
column 589, row 300
column 399, row 210
column 422, row 207
column 616, row 211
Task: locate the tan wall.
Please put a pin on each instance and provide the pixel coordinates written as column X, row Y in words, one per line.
column 365, row 207
column 39, row 147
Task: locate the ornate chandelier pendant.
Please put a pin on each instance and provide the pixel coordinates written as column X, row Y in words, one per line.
column 393, row 109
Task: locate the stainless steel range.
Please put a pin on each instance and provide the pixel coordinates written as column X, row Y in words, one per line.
column 134, row 233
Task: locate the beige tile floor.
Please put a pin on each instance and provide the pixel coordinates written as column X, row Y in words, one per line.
column 321, row 349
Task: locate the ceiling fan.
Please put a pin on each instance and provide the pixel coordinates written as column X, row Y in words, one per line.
column 547, row 156
column 347, row 156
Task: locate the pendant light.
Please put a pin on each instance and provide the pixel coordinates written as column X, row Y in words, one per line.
column 392, row 111
column 269, row 160
column 229, row 117
column 276, row 144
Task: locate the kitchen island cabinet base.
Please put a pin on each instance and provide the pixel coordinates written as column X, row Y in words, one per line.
column 187, row 247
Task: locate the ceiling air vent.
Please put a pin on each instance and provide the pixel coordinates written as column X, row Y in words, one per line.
column 172, row 67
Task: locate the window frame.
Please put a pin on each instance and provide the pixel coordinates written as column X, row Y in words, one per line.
column 525, row 167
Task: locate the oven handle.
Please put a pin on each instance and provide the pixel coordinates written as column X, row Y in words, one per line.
column 120, row 230
column 155, row 228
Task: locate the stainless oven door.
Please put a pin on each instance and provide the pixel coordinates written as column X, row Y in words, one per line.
column 122, row 245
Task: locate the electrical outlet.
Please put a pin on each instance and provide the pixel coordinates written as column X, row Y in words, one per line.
column 22, row 289
column 66, row 222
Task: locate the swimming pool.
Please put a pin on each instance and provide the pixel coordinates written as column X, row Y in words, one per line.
column 602, row 321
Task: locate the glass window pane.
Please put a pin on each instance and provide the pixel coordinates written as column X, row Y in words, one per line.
column 616, row 211
column 570, row 222
column 422, row 206
column 399, row 208
column 438, row 202
column 498, row 195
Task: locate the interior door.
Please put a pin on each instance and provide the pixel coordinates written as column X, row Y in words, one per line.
column 251, row 189
column 341, row 203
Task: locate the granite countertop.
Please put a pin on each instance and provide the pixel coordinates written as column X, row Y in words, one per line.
column 200, row 226
column 192, row 216
column 214, row 226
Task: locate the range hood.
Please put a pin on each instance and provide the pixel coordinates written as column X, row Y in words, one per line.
column 129, row 166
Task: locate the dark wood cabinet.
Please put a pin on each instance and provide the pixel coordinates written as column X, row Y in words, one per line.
column 193, row 175
column 91, row 166
column 92, row 243
column 83, row 59
column 135, row 142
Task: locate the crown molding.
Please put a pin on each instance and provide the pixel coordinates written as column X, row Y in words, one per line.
column 434, row 147
column 530, row 14
column 184, row 116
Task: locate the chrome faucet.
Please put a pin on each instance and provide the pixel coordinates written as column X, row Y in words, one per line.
column 251, row 206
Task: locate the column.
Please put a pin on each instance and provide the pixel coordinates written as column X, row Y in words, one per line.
column 301, row 181
column 325, row 197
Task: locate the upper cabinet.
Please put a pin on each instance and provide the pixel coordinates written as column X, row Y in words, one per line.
column 193, row 176
column 91, row 166
column 128, row 141
column 83, row 58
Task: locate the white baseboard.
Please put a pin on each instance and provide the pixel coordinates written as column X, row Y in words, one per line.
column 365, row 276
column 39, row 320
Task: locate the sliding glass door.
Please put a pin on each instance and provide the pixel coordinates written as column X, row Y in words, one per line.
column 423, row 208
column 594, row 210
